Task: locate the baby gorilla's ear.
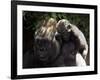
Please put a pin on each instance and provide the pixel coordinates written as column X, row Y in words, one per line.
column 69, row 28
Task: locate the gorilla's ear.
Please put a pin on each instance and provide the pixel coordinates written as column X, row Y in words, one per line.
column 69, row 28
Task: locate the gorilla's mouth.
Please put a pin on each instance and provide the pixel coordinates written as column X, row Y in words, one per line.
column 43, row 55
column 43, row 58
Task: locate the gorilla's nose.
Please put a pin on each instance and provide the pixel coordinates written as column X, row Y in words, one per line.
column 42, row 49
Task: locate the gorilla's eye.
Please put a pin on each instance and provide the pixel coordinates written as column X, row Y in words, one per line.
column 43, row 49
column 68, row 28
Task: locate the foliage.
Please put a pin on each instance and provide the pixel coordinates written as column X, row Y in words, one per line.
column 31, row 20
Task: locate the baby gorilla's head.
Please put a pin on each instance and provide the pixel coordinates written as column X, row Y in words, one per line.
column 64, row 29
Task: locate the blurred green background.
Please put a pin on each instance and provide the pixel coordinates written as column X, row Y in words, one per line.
column 32, row 20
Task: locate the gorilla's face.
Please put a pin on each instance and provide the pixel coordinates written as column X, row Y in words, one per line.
column 45, row 49
column 64, row 29
column 65, row 35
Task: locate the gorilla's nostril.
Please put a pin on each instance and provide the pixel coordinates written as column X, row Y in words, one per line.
column 42, row 49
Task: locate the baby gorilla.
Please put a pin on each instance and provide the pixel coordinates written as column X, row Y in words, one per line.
column 66, row 33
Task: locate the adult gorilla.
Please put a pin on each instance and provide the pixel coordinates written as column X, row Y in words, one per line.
column 47, row 48
column 46, row 52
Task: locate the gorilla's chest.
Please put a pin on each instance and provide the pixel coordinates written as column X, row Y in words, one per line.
column 69, row 54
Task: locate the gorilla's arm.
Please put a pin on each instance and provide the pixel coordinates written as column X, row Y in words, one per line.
column 81, row 40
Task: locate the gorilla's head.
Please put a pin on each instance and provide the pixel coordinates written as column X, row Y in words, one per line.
column 63, row 28
column 46, row 46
